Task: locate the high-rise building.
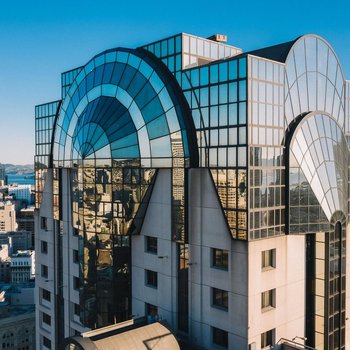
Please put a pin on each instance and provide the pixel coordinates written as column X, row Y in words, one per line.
column 189, row 181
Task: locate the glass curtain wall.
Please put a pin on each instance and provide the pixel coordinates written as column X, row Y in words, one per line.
column 217, row 96
column 266, row 162
column 318, row 183
column 45, row 116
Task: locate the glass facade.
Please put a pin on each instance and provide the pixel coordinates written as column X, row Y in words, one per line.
column 266, row 160
column 347, row 111
column 67, row 79
column 45, row 117
column 217, row 96
column 314, row 80
column 271, row 127
column 320, row 150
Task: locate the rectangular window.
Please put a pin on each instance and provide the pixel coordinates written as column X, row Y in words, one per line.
column 75, row 256
column 75, row 232
column 151, row 310
column 46, row 318
column 76, row 283
column 151, row 245
column 268, row 338
column 152, row 278
column 220, row 258
column 44, row 247
column 46, row 295
column 47, row 342
column 220, row 337
column 220, row 298
column 268, row 259
column 268, row 299
column 44, row 271
column 43, row 223
column 77, row 309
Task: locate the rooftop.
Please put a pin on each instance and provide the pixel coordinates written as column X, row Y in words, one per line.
column 132, row 335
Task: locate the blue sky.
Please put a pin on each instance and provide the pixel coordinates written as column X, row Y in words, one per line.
column 41, row 39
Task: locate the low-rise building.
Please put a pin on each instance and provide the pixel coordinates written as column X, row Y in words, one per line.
column 17, row 240
column 22, row 266
column 21, row 192
column 17, row 319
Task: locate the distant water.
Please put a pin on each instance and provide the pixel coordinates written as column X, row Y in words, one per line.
column 27, row 179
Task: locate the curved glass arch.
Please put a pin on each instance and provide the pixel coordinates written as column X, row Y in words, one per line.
column 123, row 117
column 319, row 149
column 125, row 94
column 314, row 80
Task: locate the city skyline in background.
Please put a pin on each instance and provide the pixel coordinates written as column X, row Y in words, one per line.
column 40, row 40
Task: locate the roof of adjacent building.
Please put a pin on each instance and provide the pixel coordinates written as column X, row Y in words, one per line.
column 277, row 53
column 124, row 336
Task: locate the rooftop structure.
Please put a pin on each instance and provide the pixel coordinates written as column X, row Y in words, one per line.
column 127, row 335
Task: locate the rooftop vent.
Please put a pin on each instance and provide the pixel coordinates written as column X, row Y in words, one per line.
column 219, row 38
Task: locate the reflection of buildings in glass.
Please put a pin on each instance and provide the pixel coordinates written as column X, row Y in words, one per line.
column 214, row 167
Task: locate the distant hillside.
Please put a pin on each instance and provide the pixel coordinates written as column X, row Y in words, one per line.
column 19, row 169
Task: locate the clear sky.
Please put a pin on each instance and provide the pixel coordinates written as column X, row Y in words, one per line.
column 39, row 39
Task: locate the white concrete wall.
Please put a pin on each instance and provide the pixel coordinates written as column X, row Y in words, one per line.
column 157, row 223
column 70, row 269
column 47, row 259
column 208, row 229
column 288, row 278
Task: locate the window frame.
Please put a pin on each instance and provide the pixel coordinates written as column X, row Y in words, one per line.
column 268, row 299
column 43, row 223
column 216, row 333
column 214, row 260
column 44, row 247
column 151, row 278
column 46, row 318
column 45, row 295
column 149, row 248
column 267, row 338
column 75, row 256
column 76, row 309
column 268, row 259
column 46, row 342
column 150, row 309
column 76, row 283
column 44, row 271
column 221, row 293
